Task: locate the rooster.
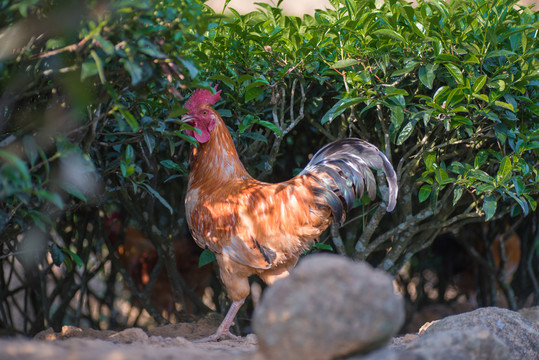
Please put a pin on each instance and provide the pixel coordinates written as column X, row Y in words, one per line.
column 261, row 228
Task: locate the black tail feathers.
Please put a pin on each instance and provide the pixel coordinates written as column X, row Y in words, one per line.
column 343, row 168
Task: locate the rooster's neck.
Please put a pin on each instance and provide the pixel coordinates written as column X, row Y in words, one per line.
column 216, row 161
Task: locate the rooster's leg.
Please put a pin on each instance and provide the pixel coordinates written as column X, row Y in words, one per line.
column 223, row 331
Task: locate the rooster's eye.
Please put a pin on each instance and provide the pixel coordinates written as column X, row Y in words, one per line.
column 204, row 112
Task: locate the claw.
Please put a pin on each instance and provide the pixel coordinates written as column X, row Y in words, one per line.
column 223, row 332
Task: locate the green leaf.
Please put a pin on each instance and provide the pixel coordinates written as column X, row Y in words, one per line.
column 341, row 64
column 489, row 206
column 480, row 175
column 429, row 159
column 397, row 116
column 533, row 203
column 30, row 148
column 99, row 65
column 225, row 79
column 158, row 196
column 40, row 219
column 426, row 74
column 73, row 190
column 68, row 263
column 51, row 197
column 457, row 194
column 424, row 192
column 129, row 154
column 255, row 136
column 169, row 164
column 390, row 33
column 479, row 83
column 133, row 123
column 88, row 69
column 253, row 93
column 504, row 105
column 148, row 48
column 190, row 66
column 270, row 126
column 408, row 67
column 321, row 246
column 455, row 72
column 149, row 139
column 134, row 70
column 442, row 177
column 482, row 97
column 126, row 169
column 480, row 159
column 205, row 258
column 74, row 256
column 17, row 163
column 505, row 171
column 407, row 130
column 106, row 45
column 521, row 200
column 505, row 53
column 185, row 137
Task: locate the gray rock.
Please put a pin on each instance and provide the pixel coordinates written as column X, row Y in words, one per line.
column 389, row 354
column 531, row 314
column 520, row 336
column 328, row 307
column 476, row 343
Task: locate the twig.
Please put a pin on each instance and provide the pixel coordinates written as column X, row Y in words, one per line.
column 336, row 238
column 72, row 47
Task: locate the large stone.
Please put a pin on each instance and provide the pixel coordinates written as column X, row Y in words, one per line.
column 519, row 335
column 328, row 307
column 476, row 343
column 531, row 314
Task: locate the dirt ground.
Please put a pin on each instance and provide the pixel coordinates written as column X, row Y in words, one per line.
column 176, row 341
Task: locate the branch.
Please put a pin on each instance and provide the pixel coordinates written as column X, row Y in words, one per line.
column 279, row 121
column 360, row 250
column 72, row 48
column 337, row 240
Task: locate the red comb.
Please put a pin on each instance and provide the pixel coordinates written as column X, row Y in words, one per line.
column 201, row 97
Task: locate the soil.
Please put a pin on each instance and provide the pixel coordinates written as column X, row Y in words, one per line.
column 176, row 341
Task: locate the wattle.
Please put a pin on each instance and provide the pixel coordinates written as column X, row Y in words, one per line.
column 204, row 135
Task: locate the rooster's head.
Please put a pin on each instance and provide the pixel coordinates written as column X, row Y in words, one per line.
column 201, row 115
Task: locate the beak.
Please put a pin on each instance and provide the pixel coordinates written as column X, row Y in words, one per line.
column 187, row 118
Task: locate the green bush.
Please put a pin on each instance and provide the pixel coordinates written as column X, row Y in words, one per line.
column 91, row 96
column 448, row 91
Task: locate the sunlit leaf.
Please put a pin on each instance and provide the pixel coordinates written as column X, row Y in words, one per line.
column 389, row 33
column 341, row 64
column 455, row 72
column 489, row 206
column 479, row 83
column 505, row 171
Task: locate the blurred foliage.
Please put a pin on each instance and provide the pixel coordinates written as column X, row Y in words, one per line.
column 91, row 94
